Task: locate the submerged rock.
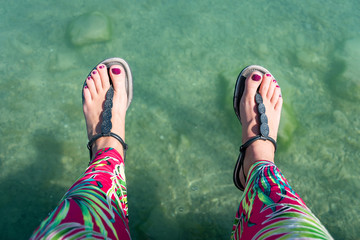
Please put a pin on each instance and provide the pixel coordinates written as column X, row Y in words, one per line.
column 347, row 83
column 340, row 119
column 90, row 28
column 22, row 46
column 61, row 61
column 288, row 125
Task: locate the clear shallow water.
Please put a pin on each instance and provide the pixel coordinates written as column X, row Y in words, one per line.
column 182, row 131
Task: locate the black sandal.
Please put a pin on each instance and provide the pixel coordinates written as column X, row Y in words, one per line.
column 264, row 128
column 106, row 124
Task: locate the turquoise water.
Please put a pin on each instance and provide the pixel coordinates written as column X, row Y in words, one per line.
column 182, row 132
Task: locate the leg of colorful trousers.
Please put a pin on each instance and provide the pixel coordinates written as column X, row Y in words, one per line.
column 270, row 209
column 95, row 207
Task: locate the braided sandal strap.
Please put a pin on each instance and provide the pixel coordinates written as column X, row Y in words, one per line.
column 106, row 124
column 264, row 135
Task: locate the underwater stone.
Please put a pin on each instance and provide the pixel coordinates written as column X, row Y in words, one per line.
column 22, row 46
column 347, row 84
column 61, row 61
column 288, row 125
column 90, row 28
column 340, row 118
column 309, row 58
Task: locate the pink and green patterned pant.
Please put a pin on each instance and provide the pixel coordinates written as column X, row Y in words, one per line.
column 95, row 207
column 270, row 209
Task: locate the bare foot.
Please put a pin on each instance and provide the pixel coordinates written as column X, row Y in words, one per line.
column 271, row 94
column 94, row 97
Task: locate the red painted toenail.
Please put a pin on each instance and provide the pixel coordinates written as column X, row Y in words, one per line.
column 94, row 72
column 86, row 86
column 101, row 66
column 116, row 71
column 256, row 77
column 268, row 74
column 274, row 80
column 88, row 78
column 277, row 86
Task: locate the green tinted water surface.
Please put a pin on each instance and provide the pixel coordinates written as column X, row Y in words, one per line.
column 182, row 132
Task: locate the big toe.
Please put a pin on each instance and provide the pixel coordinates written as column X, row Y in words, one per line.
column 118, row 75
column 118, row 78
column 252, row 83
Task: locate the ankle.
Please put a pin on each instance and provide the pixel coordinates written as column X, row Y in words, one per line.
column 106, row 142
column 258, row 151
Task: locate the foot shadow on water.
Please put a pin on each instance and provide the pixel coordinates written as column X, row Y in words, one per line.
column 31, row 193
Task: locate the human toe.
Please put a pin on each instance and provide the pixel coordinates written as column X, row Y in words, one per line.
column 276, row 95
column 91, row 86
column 117, row 75
column 272, row 87
column 97, row 80
column 104, row 77
column 279, row 102
column 265, row 85
column 87, row 93
column 252, row 83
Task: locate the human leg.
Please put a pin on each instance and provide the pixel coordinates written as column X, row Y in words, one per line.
column 269, row 208
column 96, row 205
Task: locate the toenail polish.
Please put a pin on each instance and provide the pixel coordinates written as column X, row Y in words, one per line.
column 277, row 86
column 93, row 72
column 86, row 87
column 256, row 77
column 274, row 81
column 101, row 66
column 88, row 78
column 116, row 71
column 268, row 75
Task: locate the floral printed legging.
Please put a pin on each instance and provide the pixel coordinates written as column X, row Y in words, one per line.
column 270, row 209
column 95, row 207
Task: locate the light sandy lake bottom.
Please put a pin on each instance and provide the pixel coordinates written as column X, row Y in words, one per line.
column 181, row 128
